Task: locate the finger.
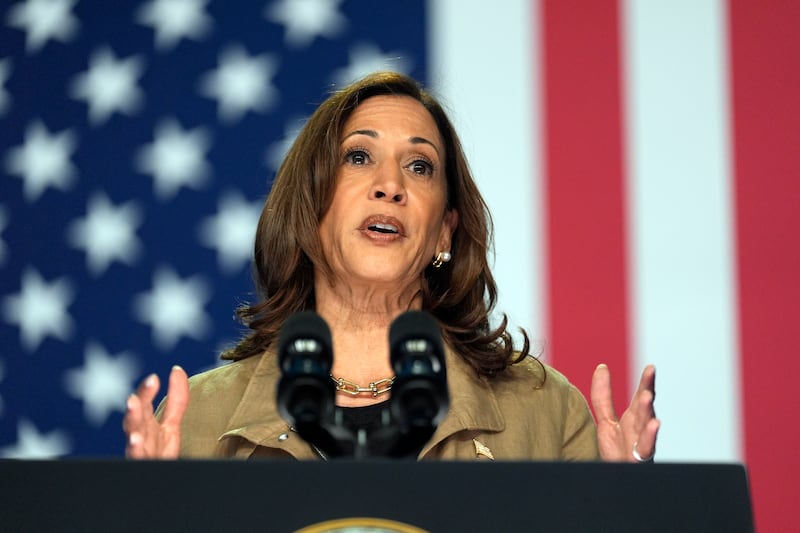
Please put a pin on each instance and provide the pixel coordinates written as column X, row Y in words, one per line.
column 135, row 446
column 643, row 400
column 134, row 415
column 646, row 443
column 177, row 397
column 648, row 380
column 133, row 426
column 139, row 418
column 601, row 394
column 140, row 426
column 638, row 415
column 140, row 404
column 645, row 408
column 129, row 422
column 148, row 389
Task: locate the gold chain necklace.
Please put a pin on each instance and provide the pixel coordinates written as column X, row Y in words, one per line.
column 354, row 389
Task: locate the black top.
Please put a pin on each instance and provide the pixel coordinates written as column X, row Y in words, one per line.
column 377, row 421
column 367, row 417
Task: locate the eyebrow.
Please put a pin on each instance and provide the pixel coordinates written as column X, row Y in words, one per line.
column 374, row 135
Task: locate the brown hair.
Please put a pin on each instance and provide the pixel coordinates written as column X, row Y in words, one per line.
column 461, row 294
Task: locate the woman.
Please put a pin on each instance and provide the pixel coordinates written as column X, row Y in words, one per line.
column 374, row 212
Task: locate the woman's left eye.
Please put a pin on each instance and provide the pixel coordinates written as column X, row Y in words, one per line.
column 421, row 167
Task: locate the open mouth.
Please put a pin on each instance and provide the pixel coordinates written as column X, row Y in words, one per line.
column 383, row 228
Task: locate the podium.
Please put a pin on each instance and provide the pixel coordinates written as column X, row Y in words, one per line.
column 286, row 496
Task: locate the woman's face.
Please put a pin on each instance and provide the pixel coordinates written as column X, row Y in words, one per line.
column 388, row 218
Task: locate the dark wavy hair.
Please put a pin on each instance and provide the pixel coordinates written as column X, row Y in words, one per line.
column 461, row 294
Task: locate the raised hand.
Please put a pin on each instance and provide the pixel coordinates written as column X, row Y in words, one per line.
column 149, row 438
column 632, row 437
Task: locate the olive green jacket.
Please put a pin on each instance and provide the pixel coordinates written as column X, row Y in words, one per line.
column 518, row 415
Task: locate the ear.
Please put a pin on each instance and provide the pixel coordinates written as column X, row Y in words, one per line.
column 449, row 225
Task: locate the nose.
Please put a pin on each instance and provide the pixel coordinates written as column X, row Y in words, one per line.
column 388, row 186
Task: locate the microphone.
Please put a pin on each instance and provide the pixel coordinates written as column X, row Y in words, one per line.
column 419, row 400
column 306, row 394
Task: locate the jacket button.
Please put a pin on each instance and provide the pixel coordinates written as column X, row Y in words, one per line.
column 283, row 436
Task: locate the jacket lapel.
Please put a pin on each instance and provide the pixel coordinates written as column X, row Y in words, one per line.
column 256, row 420
column 473, row 406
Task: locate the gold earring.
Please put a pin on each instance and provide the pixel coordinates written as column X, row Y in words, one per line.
column 442, row 258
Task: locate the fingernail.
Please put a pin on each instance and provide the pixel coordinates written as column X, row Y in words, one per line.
column 129, row 403
column 177, row 367
column 150, row 381
column 134, row 439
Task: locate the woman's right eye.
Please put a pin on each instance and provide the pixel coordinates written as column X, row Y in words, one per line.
column 357, row 157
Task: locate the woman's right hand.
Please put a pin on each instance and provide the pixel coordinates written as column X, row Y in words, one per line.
column 149, row 438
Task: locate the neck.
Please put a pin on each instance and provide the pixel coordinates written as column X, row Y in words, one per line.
column 359, row 322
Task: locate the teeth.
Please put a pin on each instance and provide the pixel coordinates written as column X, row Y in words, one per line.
column 383, row 228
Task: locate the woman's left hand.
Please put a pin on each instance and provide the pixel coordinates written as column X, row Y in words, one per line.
column 632, row 437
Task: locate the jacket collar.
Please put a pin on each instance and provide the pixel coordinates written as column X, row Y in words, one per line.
column 256, row 418
column 473, row 406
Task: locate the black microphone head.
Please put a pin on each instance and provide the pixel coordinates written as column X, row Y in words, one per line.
column 305, row 333
column 420, row 398
column 415, row 332
column 305, row 394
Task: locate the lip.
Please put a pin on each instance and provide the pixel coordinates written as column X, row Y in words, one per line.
column 372, row 224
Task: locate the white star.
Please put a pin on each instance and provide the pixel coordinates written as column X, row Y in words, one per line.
column 40, row 309
column 174, row 20
column 232, row 231
column 277, row 150
column 241, row 83
column 107, row 233
column 305, row 19
column 174, row 308
column 109, row 85
column 5, row 72
column 34, row 445
column 103, row 383
column 44, row 20
column 3, row 222
column 43, row 160
column 176, row 158
column 367, row 58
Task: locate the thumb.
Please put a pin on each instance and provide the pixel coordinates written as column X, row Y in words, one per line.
column 601, row 394
column 177, row 396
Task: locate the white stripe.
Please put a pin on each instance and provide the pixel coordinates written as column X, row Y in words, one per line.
column 683, row 295
column 481, row 64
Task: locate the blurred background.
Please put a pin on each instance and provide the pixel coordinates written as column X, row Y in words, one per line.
column 641, row 160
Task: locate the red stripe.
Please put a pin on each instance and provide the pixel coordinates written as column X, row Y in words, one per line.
column 765, row 71
column 584, row 191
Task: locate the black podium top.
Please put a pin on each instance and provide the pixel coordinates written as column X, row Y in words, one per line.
column 284, row 496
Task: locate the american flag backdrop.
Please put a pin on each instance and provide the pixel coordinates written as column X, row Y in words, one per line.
column 641, row 159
